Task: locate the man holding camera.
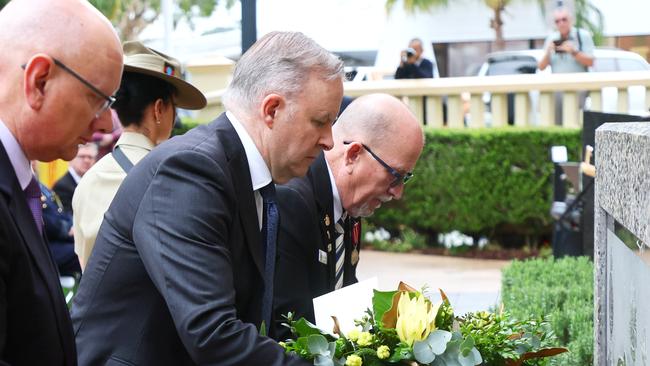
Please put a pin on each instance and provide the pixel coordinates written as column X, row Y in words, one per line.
column 412, row 64
column 569, row 49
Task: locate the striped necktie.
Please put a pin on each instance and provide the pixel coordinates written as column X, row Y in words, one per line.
column 340, row 249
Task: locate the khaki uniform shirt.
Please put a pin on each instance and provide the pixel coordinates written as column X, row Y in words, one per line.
column 96, row 190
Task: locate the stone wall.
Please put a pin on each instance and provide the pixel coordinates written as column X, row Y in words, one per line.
column 622, row 233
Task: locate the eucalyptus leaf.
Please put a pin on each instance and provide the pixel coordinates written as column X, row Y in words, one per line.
column 318, row 345
column 472, row 358
column 321, row 360
column 467, row 346
column 423, row 352
column 438, row 340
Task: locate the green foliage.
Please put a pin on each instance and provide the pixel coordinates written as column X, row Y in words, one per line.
column 481, row 181
column 563, row 291
column 188, row 124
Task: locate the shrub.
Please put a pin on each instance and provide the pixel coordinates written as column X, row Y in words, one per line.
column 560, row 289
column 481, row 182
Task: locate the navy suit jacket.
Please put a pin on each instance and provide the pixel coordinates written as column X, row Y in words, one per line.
column 64, row 188
column 175, row 277
column 34, row 321
column 306, row 235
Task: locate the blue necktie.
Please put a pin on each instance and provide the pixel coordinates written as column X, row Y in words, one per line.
column 271, row 219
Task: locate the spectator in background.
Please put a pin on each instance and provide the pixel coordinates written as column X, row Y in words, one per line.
column 412, row 64
column 151, row 90
column 65, row 186
column 569, row 49
column 60, row 63
column 106, row 141
column 58, row 230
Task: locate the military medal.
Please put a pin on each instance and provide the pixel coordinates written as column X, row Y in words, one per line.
column 354, row 257
column 356, row 234
column 327, row 220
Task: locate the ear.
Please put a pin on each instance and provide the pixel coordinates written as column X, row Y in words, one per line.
column 352, row 154
column 38, row 71
column 158, row 108
column 270, row 106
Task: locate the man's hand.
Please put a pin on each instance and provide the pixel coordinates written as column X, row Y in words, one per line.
column 566, row 46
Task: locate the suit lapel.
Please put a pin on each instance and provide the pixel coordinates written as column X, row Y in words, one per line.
column 238, row 165
column 322, row 188
column 36, row 246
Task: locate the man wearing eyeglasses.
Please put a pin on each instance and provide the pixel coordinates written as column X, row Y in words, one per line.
column 569, row 49
column 377, row 141
column 60, row 62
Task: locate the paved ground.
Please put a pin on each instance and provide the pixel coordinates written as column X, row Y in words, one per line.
column 471, row 284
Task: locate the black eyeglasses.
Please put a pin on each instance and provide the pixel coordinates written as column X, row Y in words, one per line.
column 399, row 178
column 108, row 100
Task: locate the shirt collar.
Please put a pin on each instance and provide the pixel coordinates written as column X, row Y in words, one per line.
column 135, row 139
column 336, row 198
column 76, row 177
column 17, row 157
column 259, row 171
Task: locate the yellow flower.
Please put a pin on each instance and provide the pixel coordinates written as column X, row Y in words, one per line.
column 282, row 344
column 365, row 339
column 383, row 352
column 353, row 335
column 353, row 360
column 416, row 318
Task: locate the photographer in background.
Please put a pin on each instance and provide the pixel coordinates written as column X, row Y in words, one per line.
column 569, row 49
column 412, row 64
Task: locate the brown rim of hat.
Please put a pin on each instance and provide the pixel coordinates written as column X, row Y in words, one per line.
column 144, row 60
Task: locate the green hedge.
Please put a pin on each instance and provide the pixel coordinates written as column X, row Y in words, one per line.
column 481, row 181
column 560, row 289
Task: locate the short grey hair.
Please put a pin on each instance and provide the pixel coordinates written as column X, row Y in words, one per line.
column 279, row 62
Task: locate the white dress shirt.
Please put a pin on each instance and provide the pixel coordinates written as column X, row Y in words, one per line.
column 259, row 171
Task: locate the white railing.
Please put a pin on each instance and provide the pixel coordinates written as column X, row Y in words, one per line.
column 465, row 101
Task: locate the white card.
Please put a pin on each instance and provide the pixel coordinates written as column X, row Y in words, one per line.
column 347, row 304
column 322, row 256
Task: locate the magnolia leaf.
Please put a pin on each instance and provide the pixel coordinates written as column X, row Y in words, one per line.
column 317, row 345
column 337, row 327
column 384, row 302
column 444, row 297
column 404, row 287
column 546, row 352
column 321, row 360
column 472, row 358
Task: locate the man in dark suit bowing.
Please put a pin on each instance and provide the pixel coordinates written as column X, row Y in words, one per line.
column 377, row 142
column 57, row 78
column 182, row 269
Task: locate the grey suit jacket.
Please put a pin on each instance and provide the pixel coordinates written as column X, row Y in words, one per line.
column 175, row 277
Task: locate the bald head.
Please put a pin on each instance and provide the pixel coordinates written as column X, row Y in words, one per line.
column 377, row 120
column 384, row 125
column 47, row 109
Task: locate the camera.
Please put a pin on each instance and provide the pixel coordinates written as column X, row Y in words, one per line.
column 409, row 52
column 558, row 42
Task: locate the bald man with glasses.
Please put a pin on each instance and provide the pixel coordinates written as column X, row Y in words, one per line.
column 57, row 78
column 377, row 141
